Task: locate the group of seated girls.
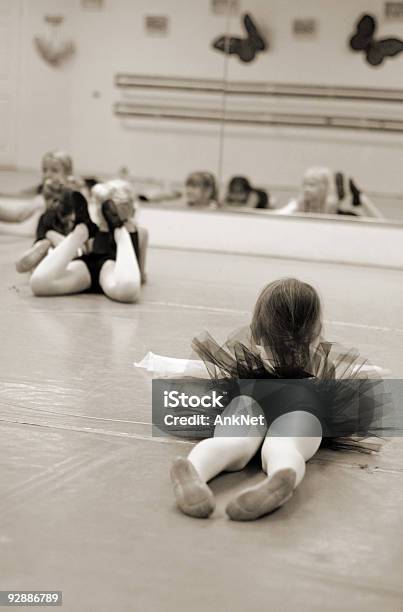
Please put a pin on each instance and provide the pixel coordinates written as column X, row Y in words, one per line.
column 86, row 239
column 322, row 192
column 201, row 192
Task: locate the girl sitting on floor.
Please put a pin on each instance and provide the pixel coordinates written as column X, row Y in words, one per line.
column 57, row 170
column 111, row 266
column 53, row 224
column 302, row 392
column 330, row 194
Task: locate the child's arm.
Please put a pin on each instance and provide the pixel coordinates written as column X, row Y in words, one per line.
column 170, row 367
column 370, row 368
column 16, row 211
column 23, row 228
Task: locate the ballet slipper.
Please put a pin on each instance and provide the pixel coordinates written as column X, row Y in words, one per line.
column 257, row 501
column 33, row 256
column 193, row 496
column 111, row 215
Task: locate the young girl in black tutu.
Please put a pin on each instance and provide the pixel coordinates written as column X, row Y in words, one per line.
column 330, row 395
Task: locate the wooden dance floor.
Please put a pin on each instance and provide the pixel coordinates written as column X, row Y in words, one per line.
column 86, row 505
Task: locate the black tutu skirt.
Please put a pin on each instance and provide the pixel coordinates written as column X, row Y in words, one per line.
column 337, row 385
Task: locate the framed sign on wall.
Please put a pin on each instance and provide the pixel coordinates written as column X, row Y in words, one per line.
column 305, row 27
column 156, row 25
column 92, row 5
column 394, row 10
column 225, row 7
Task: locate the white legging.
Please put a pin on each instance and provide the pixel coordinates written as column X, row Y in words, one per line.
column 228, row 452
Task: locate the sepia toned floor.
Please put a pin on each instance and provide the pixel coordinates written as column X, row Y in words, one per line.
column 85, row 499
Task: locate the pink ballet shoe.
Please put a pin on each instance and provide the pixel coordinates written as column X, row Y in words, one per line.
column 33, row 256
column 264, row 498
column 193, row 496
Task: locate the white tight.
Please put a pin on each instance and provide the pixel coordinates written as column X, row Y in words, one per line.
column 60, row 274
column 227, row 452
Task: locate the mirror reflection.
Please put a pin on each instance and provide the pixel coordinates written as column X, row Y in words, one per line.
column 279, row 108
column 313, row 115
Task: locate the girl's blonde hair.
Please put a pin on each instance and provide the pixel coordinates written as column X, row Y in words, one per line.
column 326, row 177
column 63, row 158
column 121, row 192
column 205, row 180
column 321, row 173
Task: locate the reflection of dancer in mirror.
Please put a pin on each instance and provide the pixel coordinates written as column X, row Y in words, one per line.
column 201, row 190
column 322, row 194
column 283, row 342
column 348, row 199
column 241, row 193
column 111, row 266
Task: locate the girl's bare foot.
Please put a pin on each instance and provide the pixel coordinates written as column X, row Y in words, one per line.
column 257, row 501
column 33, row 256
column 192, row 495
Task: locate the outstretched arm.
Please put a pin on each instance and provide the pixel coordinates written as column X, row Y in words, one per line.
column 161, row 366
column 16, row 211
column 288, row 209
column 20, row 218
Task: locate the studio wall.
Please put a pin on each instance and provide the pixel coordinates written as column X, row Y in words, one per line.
column 76, row 100
column 44, row 119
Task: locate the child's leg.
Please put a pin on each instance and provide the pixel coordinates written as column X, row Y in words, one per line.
column 143, row 245
column 281, row 451
column 57, row 274
column 33, row 256
column 55, row 237
column 120, row 279
column 231, row 448
column 291, row 440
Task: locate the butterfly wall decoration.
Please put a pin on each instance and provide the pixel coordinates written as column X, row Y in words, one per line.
column 376, row 50
column 245, row 48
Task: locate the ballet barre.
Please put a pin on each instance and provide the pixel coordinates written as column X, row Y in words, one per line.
column 256, row 118
column 257, row 88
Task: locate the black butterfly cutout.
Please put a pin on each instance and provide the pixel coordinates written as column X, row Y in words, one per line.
column 245, row 48
column 376, row 50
